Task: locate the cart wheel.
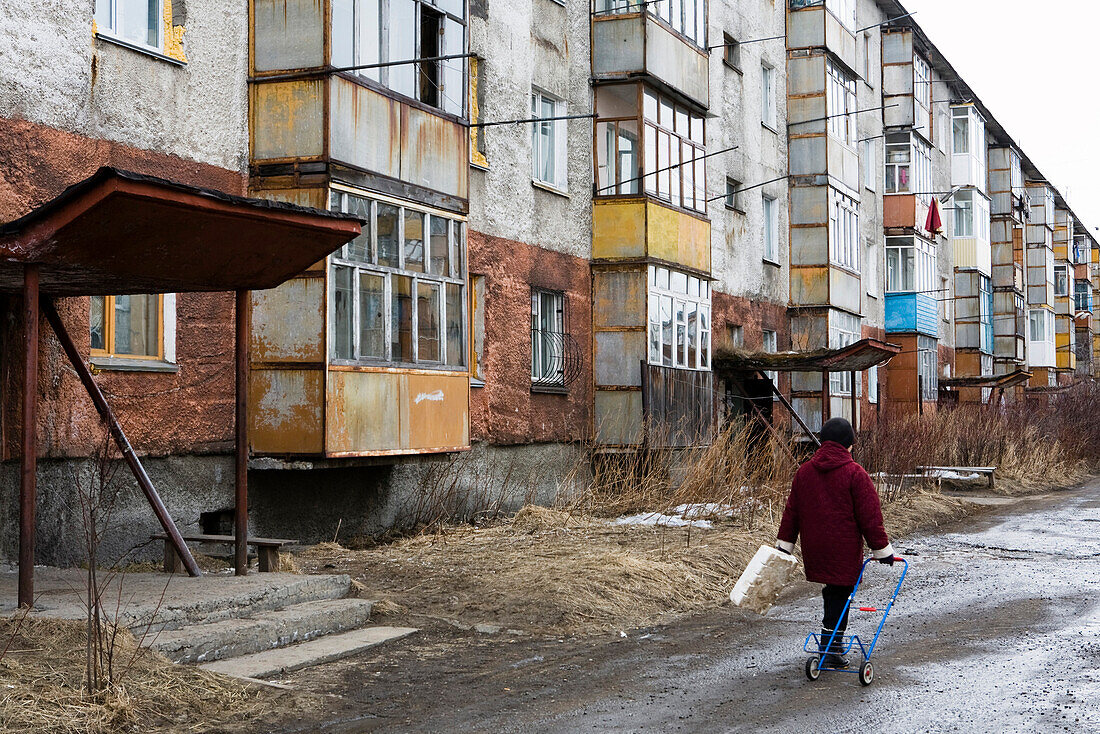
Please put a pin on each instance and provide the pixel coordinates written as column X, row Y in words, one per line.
column 812, row 671
column 866, row 673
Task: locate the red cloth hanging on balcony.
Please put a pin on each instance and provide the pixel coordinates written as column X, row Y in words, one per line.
column 934, row 223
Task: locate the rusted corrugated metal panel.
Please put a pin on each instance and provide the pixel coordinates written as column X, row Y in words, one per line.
column 614, row 353
column 287, row 34
column 618, row 417
column 620, row 298
column 677, row 237
column 288, row 322
column 285, row 411
column 435, row 411
column 618, row 229
column 287, row 120
column 396, row 411
column 679, row 406
column 434, row 152
column 365, row 128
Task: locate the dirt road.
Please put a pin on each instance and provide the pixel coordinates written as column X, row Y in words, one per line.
column 997, row 629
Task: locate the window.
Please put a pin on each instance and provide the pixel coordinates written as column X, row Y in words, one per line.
column 922, row 89
column 872, row 384
column 985, row 314
column 1061, row 280
column 398, row 290
column 910, row 265
column 548, row 141
column 927, row 362
column 844, row 230
column 945, row 299
column 971, row 215
column 1038, row 328
column 679, row 319
column 771, row 228
column 767, row 96
column 733, row 195
column 844, row 329
column 870, row 164
column 908, row 166
column 686, row 17
column 736, row 335
column 671, row 162
column 840, row 102
column 129, row 327
column 844, row 10
column 731, row 51
column 867, row 65
column 943, row 133
column 135, row 21
column 380, row 31
column 1082, row 295
column 870, row 268
column 771, row 346
column 547, row 338
column 969, row 144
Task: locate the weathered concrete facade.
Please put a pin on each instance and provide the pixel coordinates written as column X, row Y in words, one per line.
column 565, row 216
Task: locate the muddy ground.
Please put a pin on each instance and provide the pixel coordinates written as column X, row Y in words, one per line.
column 996, row 629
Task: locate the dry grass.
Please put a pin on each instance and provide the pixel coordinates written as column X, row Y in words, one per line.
column 42, row 676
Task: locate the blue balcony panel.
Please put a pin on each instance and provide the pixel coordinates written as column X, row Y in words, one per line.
column 908, row 313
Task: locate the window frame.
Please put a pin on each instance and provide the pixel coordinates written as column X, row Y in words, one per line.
column 917, row 166
column 658, row 138
column 845, row 329
column 769, row 113
column 733, row 198
column 372, row 266
column 840, row 103
column 769, row 343
column 1061, row 269
column 558, row 137
column 928, row 367
column 663, row 289
column 769, row 212
column 870, row 166
column 539, row 380
column 109, row 333
column 923, row 262
column 844, row 239
column 845, row 12
column 383, row 76
column 111, row 30
column 731, row 53
column 661, row 11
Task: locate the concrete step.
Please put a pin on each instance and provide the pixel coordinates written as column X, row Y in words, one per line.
column 188, row 602
column 306, row 654
column 260, row 631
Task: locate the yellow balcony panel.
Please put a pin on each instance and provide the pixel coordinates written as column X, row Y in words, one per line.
column 973, row 252
column 810, row 286
column 678, row 237
column 639, row 228
column 287, row 120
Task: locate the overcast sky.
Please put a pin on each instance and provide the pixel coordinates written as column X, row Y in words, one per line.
column 1036, row 66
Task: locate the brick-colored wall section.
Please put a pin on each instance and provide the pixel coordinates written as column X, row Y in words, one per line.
column 187, row 412
column 505, row 411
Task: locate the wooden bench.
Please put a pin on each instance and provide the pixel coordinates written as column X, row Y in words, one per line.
column 986, row 471
column 267, row 550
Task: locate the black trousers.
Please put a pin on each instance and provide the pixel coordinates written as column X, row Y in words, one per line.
column 835, row 597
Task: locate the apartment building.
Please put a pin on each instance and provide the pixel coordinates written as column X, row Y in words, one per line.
column 568, row 208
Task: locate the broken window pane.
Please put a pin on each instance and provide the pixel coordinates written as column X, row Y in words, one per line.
column 387, row 235
column 401, row 309
column 372, row 316
column 95, row 322
column 456, row 309
column 414, row 241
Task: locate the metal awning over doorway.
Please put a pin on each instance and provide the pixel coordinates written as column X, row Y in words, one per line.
column 119, row 232
column 734, row 364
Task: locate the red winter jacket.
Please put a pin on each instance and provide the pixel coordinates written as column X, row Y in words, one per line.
column 834, row 506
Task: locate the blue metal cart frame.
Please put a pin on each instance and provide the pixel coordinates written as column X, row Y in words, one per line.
column 814, row 641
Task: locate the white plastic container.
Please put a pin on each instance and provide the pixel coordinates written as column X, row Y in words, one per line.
column 769, row 571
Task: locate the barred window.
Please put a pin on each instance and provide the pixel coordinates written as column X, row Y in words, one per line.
column 547, row 338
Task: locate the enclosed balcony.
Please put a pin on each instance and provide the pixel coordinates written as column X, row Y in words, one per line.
column 969, row 226
column 398, row 129
column 912, row 305
column 1006, row 185
column 969, row 149
column 663, row 40
column 829, row 25
column 1040, row 348
column 906, row 83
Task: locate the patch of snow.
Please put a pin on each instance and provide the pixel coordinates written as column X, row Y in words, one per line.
column 947, row 474
column 662, row 520
column 704, row 509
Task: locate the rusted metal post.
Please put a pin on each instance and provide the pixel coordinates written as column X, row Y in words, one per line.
column 240, row 528
column 855, row 403
column 790, row 409
column 121, row 441
column 29, row 461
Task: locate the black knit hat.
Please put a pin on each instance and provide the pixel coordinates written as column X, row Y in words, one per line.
column 838, row 430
